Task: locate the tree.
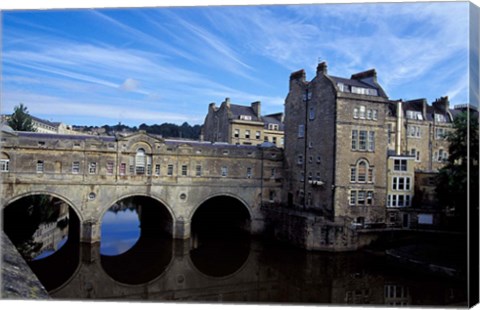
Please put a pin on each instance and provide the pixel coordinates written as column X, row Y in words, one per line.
column 21, row 119
column 461, row 171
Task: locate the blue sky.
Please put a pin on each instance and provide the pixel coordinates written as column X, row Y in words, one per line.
column 155, row 65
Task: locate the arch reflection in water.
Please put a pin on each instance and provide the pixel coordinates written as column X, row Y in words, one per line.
column 220, row 236
column 45, row 230
column 136, row 246
column 37, row 225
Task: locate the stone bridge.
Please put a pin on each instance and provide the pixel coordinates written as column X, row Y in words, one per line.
column 92, row 173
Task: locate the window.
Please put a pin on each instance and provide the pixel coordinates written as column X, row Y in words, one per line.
column 354, row 139
column 389, row 133
column 140, row 162
column 361, row 198
column 400, row 164
column 271, row 196
column 416, row 154
column 265, row 139
column 414, row 131
column 311, row 113
column 353, row 174
column 272, row 172
column 92, row 167
column 123, row 168
column 247, row 134
column 417, row 115
column 362, row 171
column 40, row 166
column 375, row 115
column 110, row 167
column 257, row 135
column 310, row 159
column 184, row 170
column 249, row 172
column 246, row 117
column 301, row 131
column 224, row 171
column 170, row 170
column 273, row 126
column 371, row 141
column 362, row 112
column 302, row 177
column 398, row 201
column 236, row 133
column 157, row 169
column 198, row 170
column 440, row 133
column 4, row 165
column 441, row 155
column 363, row 140
column 440, row 118
column 300, row 160
column 355, row 112
column 369, row 114
column 274, row 140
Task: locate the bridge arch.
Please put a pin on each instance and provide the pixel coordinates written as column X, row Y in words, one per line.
column 74, row 207
column 218, row 195
column 221, row 213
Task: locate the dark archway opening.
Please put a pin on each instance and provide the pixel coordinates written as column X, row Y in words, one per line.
column 136, row 244
column 46, row 232
column 220, row 236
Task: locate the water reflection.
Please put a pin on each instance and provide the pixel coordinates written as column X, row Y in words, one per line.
column 120, row 229
column 37, row 225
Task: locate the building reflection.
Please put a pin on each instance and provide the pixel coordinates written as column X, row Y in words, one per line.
column 165, row 270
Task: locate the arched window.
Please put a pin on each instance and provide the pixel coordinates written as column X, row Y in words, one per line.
column 361, row 172
column 140, row 162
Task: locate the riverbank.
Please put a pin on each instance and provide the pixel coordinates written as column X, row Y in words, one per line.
column 18, row 280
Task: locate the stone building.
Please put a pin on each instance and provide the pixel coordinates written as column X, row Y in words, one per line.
column 334, row 148
column 243, row 125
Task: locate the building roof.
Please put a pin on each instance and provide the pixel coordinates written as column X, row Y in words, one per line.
column 238, row 110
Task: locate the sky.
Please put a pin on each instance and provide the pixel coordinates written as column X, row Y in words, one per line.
column 167, row 64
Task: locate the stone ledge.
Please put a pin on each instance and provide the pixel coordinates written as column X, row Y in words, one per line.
column 18, row 280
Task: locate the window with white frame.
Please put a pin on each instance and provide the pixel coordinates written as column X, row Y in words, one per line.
column 355, row 113
column 4, row 165
column 110, row 167
column 247, row 134
column 246, row 117
column 157, row 169
column 40, row 166
column 401, row 183
column 198, row 170
column 361, row 172
column 416, row 154
column 273, row 126
column 417, row 115
column 414, row 131
column 123, row 168
column 440, row 118
column 224, row 171
column 140, row 161
column 363, row 140
column 361, row 113
column 398, row 200
column 170, row 170
column 257, row 135
column 440, row 134
column 400, row 164
column 184, row 170
column 361, row 198
column 92, row 167
column 236, row 133
column 440, row 155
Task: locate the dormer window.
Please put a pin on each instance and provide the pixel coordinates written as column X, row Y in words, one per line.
column 414, row 115
column 246, row 117
column 343, row 88
column 273, row 126
column 440, row 118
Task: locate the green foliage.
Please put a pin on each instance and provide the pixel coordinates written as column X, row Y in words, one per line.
column 21, row 119
column 461, row 170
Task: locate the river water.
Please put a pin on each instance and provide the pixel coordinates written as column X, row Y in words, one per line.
column 234, row 267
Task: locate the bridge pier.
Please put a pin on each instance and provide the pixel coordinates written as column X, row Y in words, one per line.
column 181, row 229
column 90, row 231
